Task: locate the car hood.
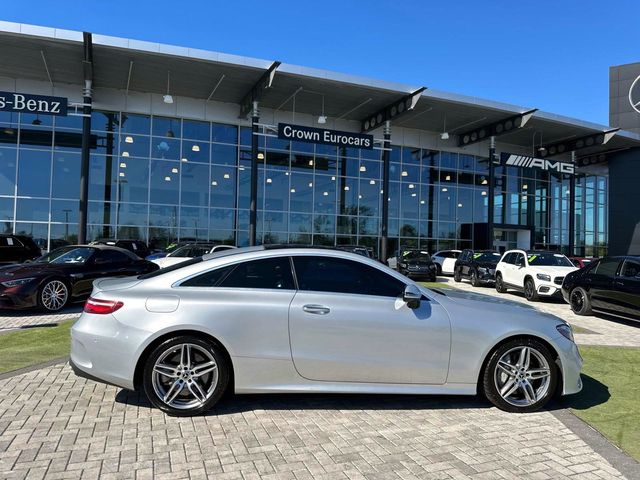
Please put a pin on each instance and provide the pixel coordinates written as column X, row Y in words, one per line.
column 553, row 271
column 487, row 264
column 23, row 270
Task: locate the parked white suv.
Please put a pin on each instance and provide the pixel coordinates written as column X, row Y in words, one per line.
column 445, row 261
column 537, row 274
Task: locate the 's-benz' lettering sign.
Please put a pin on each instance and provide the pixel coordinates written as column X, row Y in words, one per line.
column 300, row 133
column 26, row 103
column 540, row 163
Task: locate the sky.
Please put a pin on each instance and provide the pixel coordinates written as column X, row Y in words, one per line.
column 551, row 55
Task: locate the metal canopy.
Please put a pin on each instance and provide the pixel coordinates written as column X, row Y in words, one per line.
column 27, row 51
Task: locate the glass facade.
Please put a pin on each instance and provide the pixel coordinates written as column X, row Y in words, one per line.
column 161, row 179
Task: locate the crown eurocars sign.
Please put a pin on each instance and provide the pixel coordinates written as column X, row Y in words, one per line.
column 287, row 131
column 523, row 161
column 27, row 103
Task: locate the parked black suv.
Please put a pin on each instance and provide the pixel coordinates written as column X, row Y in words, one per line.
column 17, row 249
column 417, row 264
column 135, row 246
column 610, row 285
column 479, row 266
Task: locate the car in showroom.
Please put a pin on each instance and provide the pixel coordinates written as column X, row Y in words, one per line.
column 138, row 247
column 445, row 261
column 610, row 286
column 189, row 251
column 535, row 273
column 17, row 249
column 65, row 275
column 291, row 320
column 479, row 266
column 416, row 264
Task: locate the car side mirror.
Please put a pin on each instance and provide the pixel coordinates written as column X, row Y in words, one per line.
column 412, row 296
column 520, row 263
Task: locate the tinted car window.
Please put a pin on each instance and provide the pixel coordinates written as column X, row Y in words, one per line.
column 326, row 274
column 549, row 259
column 509, row 258
column 607, row 267
column 265, row 273
column 112, row 256
column 208, row 279
column 631, row 269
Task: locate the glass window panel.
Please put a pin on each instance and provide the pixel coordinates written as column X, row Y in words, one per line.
column 480, row 206
column 134, row 146
column 103, row 174
column 369, row 226
column 245, row 136
column 370, row 169
column 34, row 173
column 133, row 180
column 409, row 228
column 6, row 214
column 448, row 160
column 347, row 225
column 36, row 210
column 66, row 175
column 165, row 148
column 226, row 134
column 195, row 151
column 102, row 212
column 411, row 156
column 136, row 124
column 446, row 204
column 9, row 133
column 224, row 154
column 69, row 122
column 301, row 193
column 223, row 187
column 35, row 121
column 132, row 214
column 196, row 218
column 163, row 215
column 164, row 182
column 299, row 223
column 328, row 240
column 446, row 230
column 369, row 198
column 348, row 167
column 410, row 173
column 464, row 207
column 243, row 219
column 65, row 211
column 303, row 147
column 324, row 224
column 62, row 235
column 103, row 121
column 37, row 231
column 300, row 238
column 244, row 187
column 393, row 199
column 275, row 221
column 409, row 202
column 132, row 233
column 195, row 184
column 166, row 127
column 302, row 163
column 276, row 190
column 8, row 171
column 325, row 194
column 348, row 196
column 67, row 141
column 278, row 144
column 195, row 130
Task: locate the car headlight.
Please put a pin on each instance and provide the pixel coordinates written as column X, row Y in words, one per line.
column 566, row 331
column 542, row 276
column 482, row 269
column 403, row 265
column 18, row 282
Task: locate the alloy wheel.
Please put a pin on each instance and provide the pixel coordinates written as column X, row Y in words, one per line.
column 577, row 300
column 54, row 295
column 522, row 376
column 185, row 376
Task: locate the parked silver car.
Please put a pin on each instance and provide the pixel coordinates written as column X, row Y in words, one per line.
column 261, row 320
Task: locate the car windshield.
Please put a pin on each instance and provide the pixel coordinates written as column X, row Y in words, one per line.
column 67, row 255
column 191, row 251
column 493, row 257
column 416, row 255
column 547, row 259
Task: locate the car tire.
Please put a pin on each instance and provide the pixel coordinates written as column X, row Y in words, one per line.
column 438, row 269
column 520, row 382
column 473, row 278
column 456, row 276
column 186, row 375
column 53, row 295
column 530, row 292
column 500, row 288
column 579, row 301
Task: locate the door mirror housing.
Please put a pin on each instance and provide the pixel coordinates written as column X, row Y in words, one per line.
column 520, row 263
column 412, row 296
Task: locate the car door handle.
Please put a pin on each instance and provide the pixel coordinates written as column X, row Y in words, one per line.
column 316, row 309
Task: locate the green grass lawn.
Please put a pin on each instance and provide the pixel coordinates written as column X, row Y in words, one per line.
column 435, row 284
column 610, row 399
column 31, row 346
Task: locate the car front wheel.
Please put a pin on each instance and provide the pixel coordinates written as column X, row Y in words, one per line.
column 473, row 278
column 579, row 301
column 53, row 295
column 530, row 290
column 456, row 275
column 500, row 288
column 185, row 375
column 521, row 376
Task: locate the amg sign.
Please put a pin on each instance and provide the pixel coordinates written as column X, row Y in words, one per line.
column 26, row 103
column 540, row 163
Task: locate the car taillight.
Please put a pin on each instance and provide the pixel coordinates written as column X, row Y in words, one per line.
column 101, row 307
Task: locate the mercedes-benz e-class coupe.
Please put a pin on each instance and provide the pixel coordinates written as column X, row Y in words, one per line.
column 262, row 320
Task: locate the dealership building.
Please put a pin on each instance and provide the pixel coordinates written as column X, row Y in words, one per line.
column 111, row 137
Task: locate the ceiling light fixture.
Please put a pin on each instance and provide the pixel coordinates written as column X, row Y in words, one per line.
column 226, row 175
column 311, row 163
column 174, row 170
column 260, row 156
column 405, row 173
column 346, row 188
column 185, row 160
column 325, row 193
column 421, row 202
column 37, row 121
column 122, row 174
column 125, row 154
column 195, row 148
column 414, row 194
column 363, row 168
column 167, row 179
column 214, row 183
column 128, row 139
column 123, row 165
column 483, row 193
column 322, row 119
column 310, row 184
column 167, row 98
column 269, row 180
column 372, row 182
column 444, row 135
column 484, row 181
column 411, row 185
column 444, row 189
column 448, row 178
column 293, row 190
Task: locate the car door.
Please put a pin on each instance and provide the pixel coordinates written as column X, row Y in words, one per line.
column 599, row 283
column 104, row 263
column 507, row 266
column 627, row 287
column 348, row 323
column 519, row 270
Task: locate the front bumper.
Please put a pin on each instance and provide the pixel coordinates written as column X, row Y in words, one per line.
column 421, row 273
column 486, row 275
column 18, row 298
column 570, row 364
column 549, row 289
column 105, row 350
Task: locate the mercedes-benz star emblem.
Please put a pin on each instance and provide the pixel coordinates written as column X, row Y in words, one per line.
column 634, row 94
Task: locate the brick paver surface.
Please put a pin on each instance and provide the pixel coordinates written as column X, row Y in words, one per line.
column 55, row 425
column 11, row 320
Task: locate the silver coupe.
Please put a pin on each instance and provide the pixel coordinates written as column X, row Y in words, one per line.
column 267, row 320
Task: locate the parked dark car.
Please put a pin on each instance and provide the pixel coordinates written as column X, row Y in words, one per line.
column 610, row 285
column 135, row 246
column 65, row 275
column 17, row 249
column 358, row 249
column 479, row 266
column 417, row 264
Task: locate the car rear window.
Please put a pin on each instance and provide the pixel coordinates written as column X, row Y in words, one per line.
column 170, row 268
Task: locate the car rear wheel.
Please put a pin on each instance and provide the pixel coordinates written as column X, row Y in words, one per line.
column 53, row 295
column 473, row 278
column 530, row 290
column 456, row 275
column 579, row 301
column 500, row 288
column 521, row 376
column 185, row 375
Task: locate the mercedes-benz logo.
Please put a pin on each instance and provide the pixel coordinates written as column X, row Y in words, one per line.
column 634, row 94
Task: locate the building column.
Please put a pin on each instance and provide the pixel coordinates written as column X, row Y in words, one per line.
column 84, row 164
column 491, row 193
column 253, row 205
column 386, row 158
column 572, row 208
